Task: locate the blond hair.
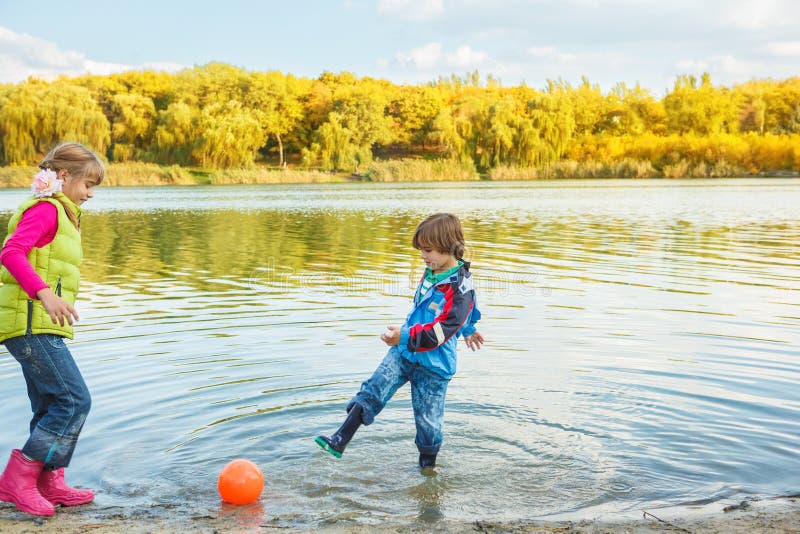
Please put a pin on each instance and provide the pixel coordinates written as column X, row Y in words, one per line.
column 443, row 232
column 79, row 162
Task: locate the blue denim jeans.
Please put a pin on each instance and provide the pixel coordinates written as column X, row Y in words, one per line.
column 60, row 400
column 427, row 397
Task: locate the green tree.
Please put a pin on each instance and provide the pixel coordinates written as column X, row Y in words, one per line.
column 176, row 134
column 358, row 121
column 276, row 102
column 631, row 111
column 230, row 136
column 332, row 145
column 700, row 107
column 457, row 128
column 132, row 126
column 587, row 104
column 38, row 115
column 499, row 132
column 157, row 86
column 414, row 110
column 781, row 101
column 213, row 83
column 553, row 118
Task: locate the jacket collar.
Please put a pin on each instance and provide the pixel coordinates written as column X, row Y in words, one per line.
column 462, row 271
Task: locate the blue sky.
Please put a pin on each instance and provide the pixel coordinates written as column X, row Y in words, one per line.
column 411, row 41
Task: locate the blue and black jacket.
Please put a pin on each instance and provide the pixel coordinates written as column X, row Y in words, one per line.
column 445, row 312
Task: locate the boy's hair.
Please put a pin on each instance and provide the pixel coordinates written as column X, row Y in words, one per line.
column 441, row 231
column 79, row 162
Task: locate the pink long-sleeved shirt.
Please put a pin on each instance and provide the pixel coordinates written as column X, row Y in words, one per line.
column 37, row 228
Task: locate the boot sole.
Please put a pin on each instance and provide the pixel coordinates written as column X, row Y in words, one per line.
column 325, row 446
column 64, row 502
column 8, row 498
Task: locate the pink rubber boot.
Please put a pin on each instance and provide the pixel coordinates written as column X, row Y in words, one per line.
column 18, row 485
column 54, row 488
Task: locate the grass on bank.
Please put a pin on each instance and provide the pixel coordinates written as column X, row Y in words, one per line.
column 400, row 170
column 273, row 176
column 149, row 174
column 117, row 174
column 625, row 168
column 419, row 170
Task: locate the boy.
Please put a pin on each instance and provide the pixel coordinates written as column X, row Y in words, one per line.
column 423, row 350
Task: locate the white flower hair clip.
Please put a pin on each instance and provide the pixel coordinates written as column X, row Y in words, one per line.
column 46, row 183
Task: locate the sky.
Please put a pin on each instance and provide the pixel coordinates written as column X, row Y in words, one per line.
column 647, row 42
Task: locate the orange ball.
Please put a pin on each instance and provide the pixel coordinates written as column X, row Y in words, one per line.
column 240, row 482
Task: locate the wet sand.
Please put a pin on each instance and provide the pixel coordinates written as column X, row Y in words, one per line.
column 777, row 515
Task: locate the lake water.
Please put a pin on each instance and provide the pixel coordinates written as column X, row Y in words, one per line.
column 642, row 348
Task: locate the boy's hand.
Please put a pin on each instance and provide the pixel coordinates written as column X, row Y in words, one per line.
column 58, row 308
column 392, row 336
column 474, row 341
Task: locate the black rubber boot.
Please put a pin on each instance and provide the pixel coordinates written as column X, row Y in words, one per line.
column 427, row 460
column 339, row 440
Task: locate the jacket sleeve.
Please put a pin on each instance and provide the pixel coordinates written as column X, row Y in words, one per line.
column 469, row 328
column 457, row 309
column 37, row 227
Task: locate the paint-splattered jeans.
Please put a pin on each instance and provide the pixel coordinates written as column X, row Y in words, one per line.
column 427, row 397
column 60, row 400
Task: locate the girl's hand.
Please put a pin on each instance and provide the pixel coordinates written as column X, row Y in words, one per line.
column 392, row 336
column 58, row 308
column 474, row 341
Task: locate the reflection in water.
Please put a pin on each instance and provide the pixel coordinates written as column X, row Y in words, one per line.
column 642, row 347
column 248, row 516
column 429, row 494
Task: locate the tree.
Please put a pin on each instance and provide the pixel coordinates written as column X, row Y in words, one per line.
column 586, row 102
column 499, row 134
column 357, row 121
column 332, row 145
column 157, row 86
column 230, row 136
column 132, row 126
column 553, row 118
column 38, row 115
column 414, row 109
column 699, row 108
column 213, row 83
column 275, row 101
column 175, row 137
column 458, row 128
column 631, row 111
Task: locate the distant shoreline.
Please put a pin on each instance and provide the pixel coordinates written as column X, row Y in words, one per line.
column 151, row 174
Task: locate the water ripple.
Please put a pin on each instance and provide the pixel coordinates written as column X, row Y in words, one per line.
column 641, row 347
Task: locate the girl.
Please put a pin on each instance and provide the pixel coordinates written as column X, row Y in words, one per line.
column 423, row 351
column 41, row 259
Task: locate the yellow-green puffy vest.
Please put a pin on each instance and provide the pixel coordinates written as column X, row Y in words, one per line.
column 57, row 263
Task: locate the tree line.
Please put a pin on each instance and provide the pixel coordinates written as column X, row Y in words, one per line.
column 218, row 116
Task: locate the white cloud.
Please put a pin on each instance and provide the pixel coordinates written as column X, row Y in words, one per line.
column 466, row 58
column 692, row 65
column 425, row 57
column 411, row 9
column 728, row 70
column 550, row 53
column 22, row 56
column 430, row 57
column 736, row 68
column 784, row 48
column 762, row 14
column 533, row 64
column 726, row 66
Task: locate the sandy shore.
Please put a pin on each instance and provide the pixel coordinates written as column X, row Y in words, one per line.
column 778, row 515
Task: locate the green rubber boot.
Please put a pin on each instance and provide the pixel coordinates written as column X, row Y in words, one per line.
column 339, row 440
